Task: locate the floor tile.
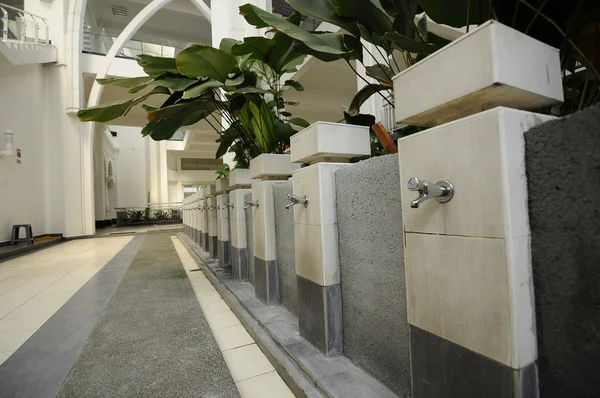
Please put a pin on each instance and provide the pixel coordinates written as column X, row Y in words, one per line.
column 9, row 305
column 13, row 281
column 34, row 286
column 49, row 303
column 215, row 307
column 207, row 296
column 222, row 320
column 246, row 362
column 268, row 385
column 13, row 340
column 4, row 356
column 19, row 320
column 232, row 337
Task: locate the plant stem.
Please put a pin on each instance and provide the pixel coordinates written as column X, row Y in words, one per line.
column 366, row 81
column 587, row 79
column 412, row 20
column 468, row 14
column 537, row 12
column 514, row 20
column 377, row 63
column 585, row 61
column 492, row 11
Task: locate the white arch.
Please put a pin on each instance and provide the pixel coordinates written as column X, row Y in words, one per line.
column 74, row 97
column 126, row 35
column 75, row 44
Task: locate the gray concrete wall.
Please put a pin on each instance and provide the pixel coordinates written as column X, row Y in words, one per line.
column 563, row 173
column 375, row 325
column 250, row 240
column 284, row 236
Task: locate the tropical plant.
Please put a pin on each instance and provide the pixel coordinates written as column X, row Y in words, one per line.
column 401, row 38
column 389, row 25
column 222, row 171
column 237, row 89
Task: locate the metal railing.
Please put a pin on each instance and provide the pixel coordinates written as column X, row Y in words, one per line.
column 100, row 43
column 154, row 214
column 388, row 118
column 21, row 26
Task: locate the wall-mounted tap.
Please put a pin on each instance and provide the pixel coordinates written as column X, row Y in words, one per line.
column 227, row 205
column 442, row 191
column 249, row 203
column 296, row 200
column 211, row 208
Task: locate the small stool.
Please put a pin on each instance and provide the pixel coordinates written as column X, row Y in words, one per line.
column 14, row 239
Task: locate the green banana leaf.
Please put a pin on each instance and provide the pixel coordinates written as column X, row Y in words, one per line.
column 199, row 60
column 325, row 43
column 106, row 112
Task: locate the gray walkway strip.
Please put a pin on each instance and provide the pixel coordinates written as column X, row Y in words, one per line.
column 153, row 339
column 39, row 367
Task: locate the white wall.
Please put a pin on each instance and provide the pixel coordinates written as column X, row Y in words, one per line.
column 132, row 166
column 22, row 188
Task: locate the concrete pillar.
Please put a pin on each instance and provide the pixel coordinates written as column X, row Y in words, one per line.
column 315, row 228
column 269, row 168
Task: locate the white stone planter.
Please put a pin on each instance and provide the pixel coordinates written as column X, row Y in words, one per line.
column 209, row 190
column 239, row 178
column 491, row 66
column 272, row 166
column 222, row 185
column 330, row 142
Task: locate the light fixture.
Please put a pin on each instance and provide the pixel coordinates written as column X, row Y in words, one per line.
column 8, row 144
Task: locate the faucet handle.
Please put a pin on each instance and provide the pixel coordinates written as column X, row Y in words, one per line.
column 415, row 184
column 296, row 200
column 442, row 191
column 250, row 203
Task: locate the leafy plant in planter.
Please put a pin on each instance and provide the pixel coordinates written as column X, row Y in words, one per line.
column 237, row 89
column 399, row 37
column 388, row 24
column 222, row 171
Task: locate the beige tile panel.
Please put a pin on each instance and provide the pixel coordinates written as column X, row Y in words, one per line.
column 316, row 250
column 317, row 183
column 457, row 288
column 467, row 153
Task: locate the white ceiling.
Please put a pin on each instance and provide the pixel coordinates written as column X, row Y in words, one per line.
column 180, row 21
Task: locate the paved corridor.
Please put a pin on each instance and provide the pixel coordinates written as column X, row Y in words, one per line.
column 123, row 317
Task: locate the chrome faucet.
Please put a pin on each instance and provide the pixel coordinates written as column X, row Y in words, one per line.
column 442, row 191
column 296, row 200
column 210, row 208
column 226, row 206
column 249, row 203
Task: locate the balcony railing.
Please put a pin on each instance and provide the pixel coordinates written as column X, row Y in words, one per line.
column 100, row 43
column 21, row 26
